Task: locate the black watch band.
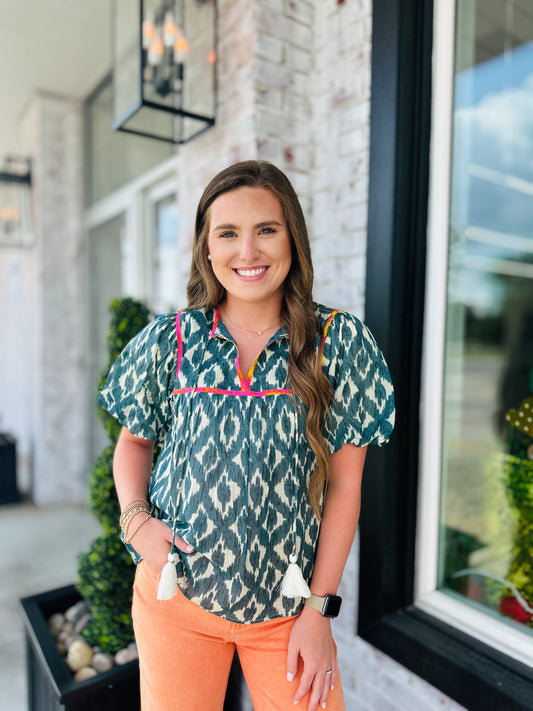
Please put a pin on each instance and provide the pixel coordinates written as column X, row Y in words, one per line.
column 328, row 606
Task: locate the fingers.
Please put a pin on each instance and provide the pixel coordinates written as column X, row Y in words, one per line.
column 179, row 542
column 292, row 661
column 319, row 684
column 328, row 685
column 182, row 544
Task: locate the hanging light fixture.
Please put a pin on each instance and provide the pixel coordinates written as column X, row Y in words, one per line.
column 15, row 202
column 164, row 62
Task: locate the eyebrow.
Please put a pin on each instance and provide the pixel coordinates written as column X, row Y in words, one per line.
column 267, row 223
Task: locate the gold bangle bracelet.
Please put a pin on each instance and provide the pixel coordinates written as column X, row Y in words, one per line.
column 133, row 504
column 128, row 540
column 131, row 511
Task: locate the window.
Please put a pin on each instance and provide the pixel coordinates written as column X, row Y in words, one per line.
column 449, row 298
column 479, row 349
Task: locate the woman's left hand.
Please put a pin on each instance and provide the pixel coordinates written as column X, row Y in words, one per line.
column 311, row 639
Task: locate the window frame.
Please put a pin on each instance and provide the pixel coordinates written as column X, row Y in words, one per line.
column 466, row 669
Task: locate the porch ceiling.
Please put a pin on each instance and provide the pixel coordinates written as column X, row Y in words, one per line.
column 61, row 46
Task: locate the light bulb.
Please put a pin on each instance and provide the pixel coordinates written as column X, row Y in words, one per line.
column 148, row 30
column 156, row 50
column 181, row 47
column 170, row 30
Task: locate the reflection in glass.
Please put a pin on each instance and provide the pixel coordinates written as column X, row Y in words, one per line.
column 486, row 548
column 166, row 232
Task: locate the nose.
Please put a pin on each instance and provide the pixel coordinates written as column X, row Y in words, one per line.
column 249, row 248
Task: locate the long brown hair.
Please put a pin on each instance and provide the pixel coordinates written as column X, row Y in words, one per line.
column 305, row 374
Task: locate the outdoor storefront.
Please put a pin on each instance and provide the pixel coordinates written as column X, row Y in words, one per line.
column 406, row 130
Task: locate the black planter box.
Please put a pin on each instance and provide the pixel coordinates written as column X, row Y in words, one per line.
column 9, row 493
column 50, row 683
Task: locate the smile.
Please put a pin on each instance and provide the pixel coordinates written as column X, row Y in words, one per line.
column 251, row 272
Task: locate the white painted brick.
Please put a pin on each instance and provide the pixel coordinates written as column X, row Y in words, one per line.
column 279, row 76
column 270, row 48
column 352, row 142
column 269, row 149
column 276, row 5
column 285, row 27
column 351, row 193
column 297, row 106
column 297, row 58
column 275, row 125
column 300, row 182
column 298, row 158
column 355, row 115
column 269, row 97
column 298, row 10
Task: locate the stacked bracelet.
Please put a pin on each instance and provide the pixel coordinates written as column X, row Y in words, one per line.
column 128, row 540
column 129, row 513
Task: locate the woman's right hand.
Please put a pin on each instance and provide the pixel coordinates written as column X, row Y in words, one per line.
column 153, row 541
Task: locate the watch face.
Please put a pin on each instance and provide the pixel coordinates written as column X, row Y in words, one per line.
column 332, row 606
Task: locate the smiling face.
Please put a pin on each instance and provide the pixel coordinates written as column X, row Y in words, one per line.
column 250, row 245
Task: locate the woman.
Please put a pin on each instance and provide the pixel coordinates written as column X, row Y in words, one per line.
column 263, row 404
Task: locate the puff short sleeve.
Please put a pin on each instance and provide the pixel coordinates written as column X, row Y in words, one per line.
column 137, row 387
column 362, row 409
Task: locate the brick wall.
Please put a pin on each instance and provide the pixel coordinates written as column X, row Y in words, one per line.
column 53, row 137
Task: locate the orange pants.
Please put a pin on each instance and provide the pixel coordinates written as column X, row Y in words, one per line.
column 185, row 655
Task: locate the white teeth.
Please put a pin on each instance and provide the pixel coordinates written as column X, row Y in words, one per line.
column 250, row 272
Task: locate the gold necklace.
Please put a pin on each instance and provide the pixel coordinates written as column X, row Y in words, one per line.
column 252, row 333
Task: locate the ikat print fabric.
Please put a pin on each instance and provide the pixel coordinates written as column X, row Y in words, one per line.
column 235, row 463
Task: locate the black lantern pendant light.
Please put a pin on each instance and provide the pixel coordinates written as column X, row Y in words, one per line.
column 15, row 203
column 164, row 62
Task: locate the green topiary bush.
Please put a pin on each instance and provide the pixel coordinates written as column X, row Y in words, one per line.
column 106, row 570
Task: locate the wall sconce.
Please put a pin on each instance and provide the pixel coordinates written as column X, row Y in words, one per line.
column 164, row 62
column 15, row 203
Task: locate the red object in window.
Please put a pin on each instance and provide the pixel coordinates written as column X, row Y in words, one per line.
column 510, row 606
column 340, row 2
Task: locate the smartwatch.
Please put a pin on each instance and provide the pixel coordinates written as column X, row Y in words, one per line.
column 328, row 606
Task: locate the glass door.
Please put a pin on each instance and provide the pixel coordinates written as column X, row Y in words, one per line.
column 105, row 247
column 162, row 230
column 165, row 254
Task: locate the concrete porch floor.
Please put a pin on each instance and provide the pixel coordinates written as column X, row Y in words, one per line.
column 38, row 551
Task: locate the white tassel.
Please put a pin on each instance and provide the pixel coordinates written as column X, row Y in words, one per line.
column 168, row 582
column 293, row 583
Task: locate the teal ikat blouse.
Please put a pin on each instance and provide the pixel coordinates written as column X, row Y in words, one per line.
column 234, row 466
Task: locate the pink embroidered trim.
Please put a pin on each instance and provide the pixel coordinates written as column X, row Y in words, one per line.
column 238, row 393
column 326, row 327
column 180, row 342
column 245, row 382
column 215, row 322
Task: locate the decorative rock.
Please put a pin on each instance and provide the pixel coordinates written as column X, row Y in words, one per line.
column 85, row 673
column 82, row 623
column 79, row 655
column 55, row 623
column 102, row 662
column 123, row 656
column 78, row 610
column 67, row 630
column 73, row 638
